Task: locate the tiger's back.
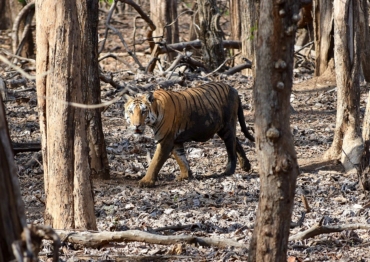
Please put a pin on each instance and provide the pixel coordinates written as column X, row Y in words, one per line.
column 195, row 114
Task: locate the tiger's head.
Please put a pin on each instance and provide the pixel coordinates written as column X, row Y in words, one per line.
column 139, row 113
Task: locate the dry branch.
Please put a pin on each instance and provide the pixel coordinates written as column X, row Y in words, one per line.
column 319, row 229
column 27, row 8
column 146, row 19
column 99, row 239
column 16, row 56
column 116, row 32
column 26, row 31
column 196, row 44
column 26, row 147
column 238, row 68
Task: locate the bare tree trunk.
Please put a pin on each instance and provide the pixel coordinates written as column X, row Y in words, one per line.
column 194, row 25
column 250, row 13
column 365, row 39
column 164, row 14
column 347, row 143
column 62, row 29
column 97, row 152
column 9, row 10
column 210, row 33
column 12, row 215
column 236, row 27
column 323, row 34
column 278, row 166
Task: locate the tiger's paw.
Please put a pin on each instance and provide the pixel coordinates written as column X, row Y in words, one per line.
column 246, row 166
column 145, row 182
column 183, row 176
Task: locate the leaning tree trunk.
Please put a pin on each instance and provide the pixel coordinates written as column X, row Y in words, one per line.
column 12, row 216
column 278, row 166
column 210, row 33
column 164, row 15
column 250, row 13
column 347, row 143
column 323, row 34
column 65, row 44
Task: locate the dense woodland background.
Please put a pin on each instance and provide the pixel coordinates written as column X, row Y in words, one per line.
column 329, row 200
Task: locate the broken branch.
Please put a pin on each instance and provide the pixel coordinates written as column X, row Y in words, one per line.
column 319, row 229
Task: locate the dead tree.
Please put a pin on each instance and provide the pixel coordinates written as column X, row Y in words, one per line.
column 365, row 38
column 12, row 215
column 347, row 142
column 250, row 13
column 164, row 16
column 278, row 166
column 67, row 49
column 323, row 34
column 210, row 34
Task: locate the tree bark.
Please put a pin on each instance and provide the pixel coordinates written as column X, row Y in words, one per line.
column 12, row 215
column 236, row 27
column 210, row 34
column 365, row 39
column 8, row 12
column 97, row 147
column 275, row 151
column 323, row 34
column 347, row 143
column 66, row 50
column 250, row 11
column 164, row 14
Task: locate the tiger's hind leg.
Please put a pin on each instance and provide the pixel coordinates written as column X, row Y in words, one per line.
column 243, row 160
column 179, row 153
column 228, row 135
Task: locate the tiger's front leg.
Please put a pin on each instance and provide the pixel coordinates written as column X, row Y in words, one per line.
column 180, row 156
column 161, row 154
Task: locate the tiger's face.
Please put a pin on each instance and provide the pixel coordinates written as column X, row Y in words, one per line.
column 138, row 112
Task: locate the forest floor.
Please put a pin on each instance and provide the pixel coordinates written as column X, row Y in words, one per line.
column 211, row 206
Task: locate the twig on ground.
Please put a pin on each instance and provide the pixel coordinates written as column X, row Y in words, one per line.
column 305, row 203
column 319, row 229
column 175, row 227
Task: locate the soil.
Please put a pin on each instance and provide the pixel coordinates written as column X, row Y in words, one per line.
column 212, row 205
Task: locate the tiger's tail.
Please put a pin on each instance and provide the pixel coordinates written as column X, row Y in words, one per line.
column 242, row 122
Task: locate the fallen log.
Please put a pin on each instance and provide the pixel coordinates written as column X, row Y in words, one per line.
column 100, row 239
column 26, row 147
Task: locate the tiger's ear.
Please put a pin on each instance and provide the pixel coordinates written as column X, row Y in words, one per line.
column 128, row 98
column 149, row 96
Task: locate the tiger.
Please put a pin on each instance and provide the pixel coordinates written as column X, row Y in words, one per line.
column 194, row 114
